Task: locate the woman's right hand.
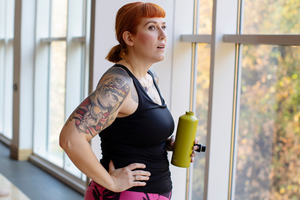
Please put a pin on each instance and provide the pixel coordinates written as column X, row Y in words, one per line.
column 125, row 178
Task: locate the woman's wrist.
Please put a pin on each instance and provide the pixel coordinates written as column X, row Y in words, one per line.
column 111, row 184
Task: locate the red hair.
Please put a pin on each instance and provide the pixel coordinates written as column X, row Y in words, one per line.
column 127, row 19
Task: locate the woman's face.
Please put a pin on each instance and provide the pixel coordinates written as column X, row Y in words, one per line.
column 150, row 40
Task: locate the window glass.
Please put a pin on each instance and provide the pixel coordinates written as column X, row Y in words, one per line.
column 205, row 16
column 1, row 86
column 59, row 18
column 271, row 17
column 8, row 89
column 6, row 66
column 202, row 87
column 269, row 124
column 57, row 82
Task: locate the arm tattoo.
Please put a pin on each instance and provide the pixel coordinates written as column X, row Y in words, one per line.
column 98, row 110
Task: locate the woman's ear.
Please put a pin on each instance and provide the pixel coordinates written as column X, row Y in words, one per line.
column 127, row 37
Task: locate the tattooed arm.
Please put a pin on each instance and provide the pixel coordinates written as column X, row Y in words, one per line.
column 94, row 114
column 100, row 109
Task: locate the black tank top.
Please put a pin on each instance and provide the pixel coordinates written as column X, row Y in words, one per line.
column 140, row 138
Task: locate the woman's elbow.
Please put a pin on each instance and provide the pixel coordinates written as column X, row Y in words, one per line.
column 63, row 140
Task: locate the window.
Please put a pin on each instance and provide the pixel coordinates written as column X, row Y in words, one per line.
column 6, row 66
column 201, row 85
column 269, row 112
column 253, row 110
column 269, row 130
column 61, row 73
column 280, row 18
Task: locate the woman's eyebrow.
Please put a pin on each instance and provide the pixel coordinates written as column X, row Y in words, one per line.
column 154, row 22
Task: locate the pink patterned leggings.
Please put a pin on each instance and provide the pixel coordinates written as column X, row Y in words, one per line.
column 97, row 192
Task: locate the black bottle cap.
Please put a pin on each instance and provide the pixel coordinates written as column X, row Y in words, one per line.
column 201, row 148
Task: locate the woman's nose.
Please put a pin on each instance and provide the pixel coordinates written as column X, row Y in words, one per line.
column 162, row 34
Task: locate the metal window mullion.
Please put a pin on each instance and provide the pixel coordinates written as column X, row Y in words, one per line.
column 41, row 63
column 235, row 106
column 82, row 71
column 235, row 121
column 54, row 39
column 89, row 52
column 48, row 96
column 84, row 16
column 241, row 15
column 7, row 33
column 196, row 38
column 49, row 76
column 289, row 39
column 64, row 157
column 79, row 39
column 50, row 18
column 189, row 171
column 9, row 21
column 87, row 46
column 192, row 108
column 231, row 184
column 2, row 85
column 2, row 18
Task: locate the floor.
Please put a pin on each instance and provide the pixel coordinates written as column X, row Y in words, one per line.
column 10, row 190
column 32, row 181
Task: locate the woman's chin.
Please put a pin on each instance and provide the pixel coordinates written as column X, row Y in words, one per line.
column 160, row 58
column 156, row 59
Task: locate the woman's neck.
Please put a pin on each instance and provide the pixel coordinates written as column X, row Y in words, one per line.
column 138, row 67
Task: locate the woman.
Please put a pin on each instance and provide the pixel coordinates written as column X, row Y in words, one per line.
column 128, row 113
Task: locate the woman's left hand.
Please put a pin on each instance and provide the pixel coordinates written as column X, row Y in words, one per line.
column 171, row 142
column 194, row 149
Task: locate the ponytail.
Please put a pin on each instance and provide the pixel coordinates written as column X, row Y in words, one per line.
column 115, row 54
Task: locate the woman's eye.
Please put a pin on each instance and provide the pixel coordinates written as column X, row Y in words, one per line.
column 151, row 28
column 164, row 27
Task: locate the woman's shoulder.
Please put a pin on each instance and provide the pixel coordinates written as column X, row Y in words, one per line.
column 118, row 72
column 117, row 69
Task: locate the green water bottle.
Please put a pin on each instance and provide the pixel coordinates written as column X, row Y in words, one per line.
column 184, row 142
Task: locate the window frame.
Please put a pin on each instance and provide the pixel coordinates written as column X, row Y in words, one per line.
column 231, row 40
column 77, row 79
column 6, row 68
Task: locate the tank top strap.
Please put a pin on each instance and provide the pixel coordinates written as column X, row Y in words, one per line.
column 156, row 86
column 138, row 86
column 136, row 82
column 126, row 69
